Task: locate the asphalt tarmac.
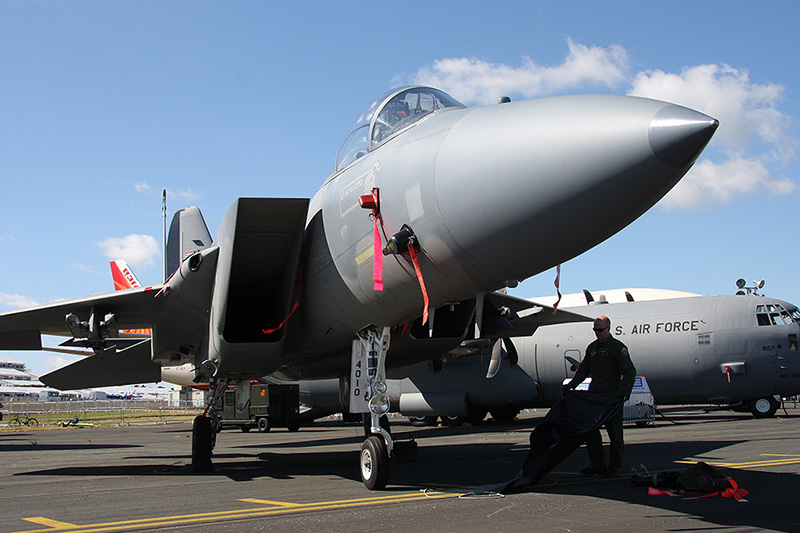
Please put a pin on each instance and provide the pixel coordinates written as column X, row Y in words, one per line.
column 136, row 478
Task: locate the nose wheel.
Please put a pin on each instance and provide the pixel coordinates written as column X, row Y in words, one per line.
column 368, row 395
column 374, row 463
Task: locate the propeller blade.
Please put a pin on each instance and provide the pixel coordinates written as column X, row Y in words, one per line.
column 511, row 350
column 494, row 364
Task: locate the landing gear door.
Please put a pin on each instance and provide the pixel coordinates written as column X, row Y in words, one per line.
column 572, row 360
column 359, row 379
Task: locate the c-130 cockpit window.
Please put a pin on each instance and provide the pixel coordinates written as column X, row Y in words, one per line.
column 776, row 315
column 388, row 114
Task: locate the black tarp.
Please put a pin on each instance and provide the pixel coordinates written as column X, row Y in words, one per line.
column 562, row 431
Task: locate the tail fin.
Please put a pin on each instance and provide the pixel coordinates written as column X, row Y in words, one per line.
column 123, row 276
column 188, row 234
column 125, row 279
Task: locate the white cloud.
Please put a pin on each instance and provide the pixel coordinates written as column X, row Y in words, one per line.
column 137, row 250
column 84, row 268
column 711, row 184
column 746, row 156
column 187, row 195
column 16, row 300
column 473, row 80
column 54, row 362
column 752, row 141
column 748, row 112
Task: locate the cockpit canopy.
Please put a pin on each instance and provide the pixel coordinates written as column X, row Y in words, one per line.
column 774, row 314
column 388, row 114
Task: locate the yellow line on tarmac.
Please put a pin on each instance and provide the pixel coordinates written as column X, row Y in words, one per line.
column 275, row 508
column 789, row 460
column 55, row 524
column 270, row 502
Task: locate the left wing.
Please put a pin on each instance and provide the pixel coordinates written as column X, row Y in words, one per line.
column 114, row 367
column 132, row 308
column 179, row 309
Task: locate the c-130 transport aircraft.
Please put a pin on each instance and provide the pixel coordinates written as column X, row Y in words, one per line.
column 738, row 350
column 300, row 289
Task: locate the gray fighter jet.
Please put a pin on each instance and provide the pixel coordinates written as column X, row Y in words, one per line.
column 733, row 350
column 432, row 206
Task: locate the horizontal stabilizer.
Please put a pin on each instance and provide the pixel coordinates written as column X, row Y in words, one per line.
column 122, row 368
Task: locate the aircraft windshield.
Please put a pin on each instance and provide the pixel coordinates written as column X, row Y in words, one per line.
column 386, row 115
column 776, row 315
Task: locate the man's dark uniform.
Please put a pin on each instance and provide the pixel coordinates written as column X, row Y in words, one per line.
column 611, row 369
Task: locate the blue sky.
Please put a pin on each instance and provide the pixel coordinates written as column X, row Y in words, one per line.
column 103, row 104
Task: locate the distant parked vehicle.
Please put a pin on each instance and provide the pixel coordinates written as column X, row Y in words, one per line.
column 270, row 406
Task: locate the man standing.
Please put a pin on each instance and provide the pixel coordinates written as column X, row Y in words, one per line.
column 609, row 364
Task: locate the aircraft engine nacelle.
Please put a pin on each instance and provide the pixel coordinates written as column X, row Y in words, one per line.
column 433, row 404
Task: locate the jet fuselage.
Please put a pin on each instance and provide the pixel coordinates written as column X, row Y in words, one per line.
column 494, row 194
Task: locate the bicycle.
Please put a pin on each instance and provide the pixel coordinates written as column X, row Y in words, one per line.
column 22, row 420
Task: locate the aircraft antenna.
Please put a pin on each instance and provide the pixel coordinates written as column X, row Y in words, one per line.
column 164, row 234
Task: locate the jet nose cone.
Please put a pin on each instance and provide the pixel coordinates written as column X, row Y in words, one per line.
column 679, row 134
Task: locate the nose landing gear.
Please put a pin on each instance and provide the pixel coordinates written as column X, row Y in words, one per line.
column 367, row 395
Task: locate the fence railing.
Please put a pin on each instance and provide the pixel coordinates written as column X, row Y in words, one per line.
column 102, row 411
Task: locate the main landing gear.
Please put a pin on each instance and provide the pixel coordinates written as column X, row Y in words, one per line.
column 764, row 407
column 368, row 394
column 205, row 428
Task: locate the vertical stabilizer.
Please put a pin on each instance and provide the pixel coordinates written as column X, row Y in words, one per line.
column 188, row 234
column 123, row 276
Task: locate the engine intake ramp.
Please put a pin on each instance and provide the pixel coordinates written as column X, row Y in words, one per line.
column 256, row 282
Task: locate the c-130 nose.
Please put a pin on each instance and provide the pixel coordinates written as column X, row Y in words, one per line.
column 679, row 134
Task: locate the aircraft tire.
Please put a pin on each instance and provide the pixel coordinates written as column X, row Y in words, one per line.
column 374, row 463
column 202, row 444
column 454, row 421
column 504, row 415
column 477, row 417
column 263, row 424
column 423, row 420
column 764, row 407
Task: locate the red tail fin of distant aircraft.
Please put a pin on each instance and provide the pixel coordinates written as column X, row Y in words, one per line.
column 125, row 279
column 123, row 276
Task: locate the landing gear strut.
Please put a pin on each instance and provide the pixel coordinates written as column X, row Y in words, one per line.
column 205, row 428
column 368, row 395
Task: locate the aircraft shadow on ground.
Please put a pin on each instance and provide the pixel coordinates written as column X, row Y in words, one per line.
column 765, row 508
column 290, row 464
column 459, row 466
column 32, row 445
column 400, row 431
